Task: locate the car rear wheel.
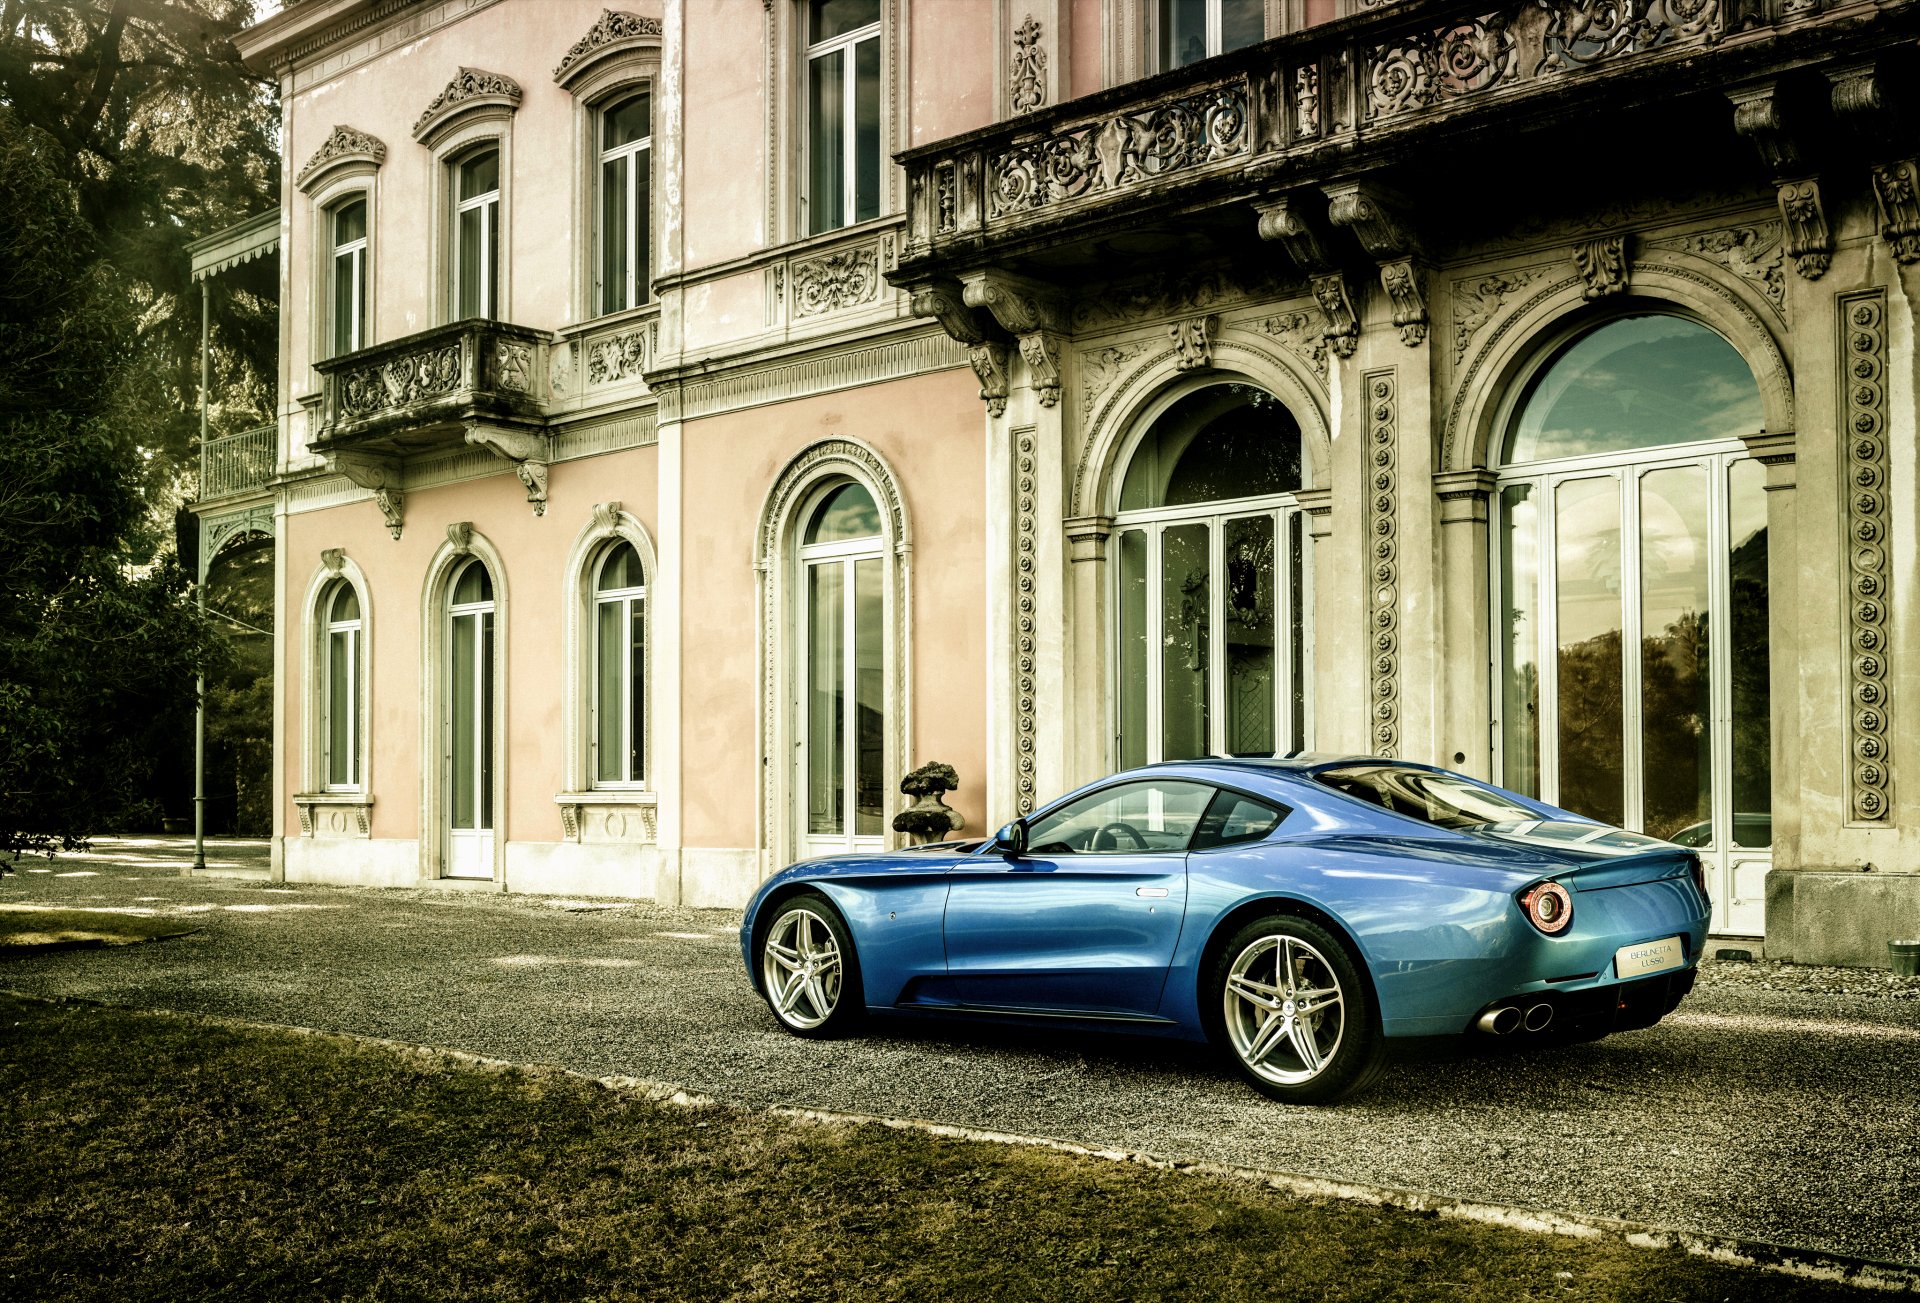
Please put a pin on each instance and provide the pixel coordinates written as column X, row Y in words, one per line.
column 1292, row 1009
column 808, row 972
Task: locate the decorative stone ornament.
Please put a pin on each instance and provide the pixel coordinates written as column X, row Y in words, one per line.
column 1028, row 76
column 1868, row 484
column 332, row 559
column 1602, row 264
column 615, row 32
column 1760, row 115
column 929, row 819
column 1033, row 313
column 380, row 474
column 1885, row 134
column 346, row 146
column 526, row 452
column 989, row 362
column 1295, row 222
column 460, row 535
column 471, row 88
column 1369, row 212
column 1383, row 558
column 1193, row 342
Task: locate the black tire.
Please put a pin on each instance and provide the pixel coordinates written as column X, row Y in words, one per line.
column 1255, row 1015
column 808, row 971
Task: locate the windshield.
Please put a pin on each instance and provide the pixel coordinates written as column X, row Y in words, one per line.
column 1444, row 800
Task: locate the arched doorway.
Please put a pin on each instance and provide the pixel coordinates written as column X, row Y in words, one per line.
column 1631, row 595
column 1211, row 601
column 468, row 730
column 840, row 673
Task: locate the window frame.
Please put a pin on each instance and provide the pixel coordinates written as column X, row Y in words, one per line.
column 351, row 630
column 1273, row 21
column 336, row 569
column 788, row 158
column 357, row 251
column 491, row 235
column 639, row 232
column 634, row 679
column 845, row 45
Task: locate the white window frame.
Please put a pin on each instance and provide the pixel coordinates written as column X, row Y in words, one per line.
column 356, row 252
column 632, row 677
column 351, row 630
column 490, row 260
column 1278, row 16
column 639, row 287
column 317, row 606
column 844, row 554
column 786, row 165
column 845, row 45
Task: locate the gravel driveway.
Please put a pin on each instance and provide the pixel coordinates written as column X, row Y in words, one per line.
column 1777, row 1104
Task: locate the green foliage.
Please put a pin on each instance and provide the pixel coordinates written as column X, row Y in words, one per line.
column 98, row 642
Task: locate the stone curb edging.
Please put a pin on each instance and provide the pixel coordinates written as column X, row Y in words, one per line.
column 1810, row 1264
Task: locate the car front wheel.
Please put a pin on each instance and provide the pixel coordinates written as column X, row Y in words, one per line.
column 808, row 971
column 1294, row 1012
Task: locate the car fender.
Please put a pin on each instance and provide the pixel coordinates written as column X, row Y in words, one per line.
column 893, row 905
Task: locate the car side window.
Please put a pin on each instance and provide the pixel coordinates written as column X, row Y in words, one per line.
column 1232, row 818
column 1130, row 819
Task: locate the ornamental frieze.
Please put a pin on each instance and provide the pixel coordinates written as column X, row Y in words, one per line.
column 1867, row 486
column 1755, row 253
column 469, row 85
column 833, row 281
column 614, row 27
column 1300, row 333
column 345, row 145
column 617, row 357
column 399, row 381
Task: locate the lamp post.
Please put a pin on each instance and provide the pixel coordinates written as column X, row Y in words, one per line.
column 200, row 601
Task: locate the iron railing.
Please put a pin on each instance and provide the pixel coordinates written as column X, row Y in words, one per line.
column 236, row 463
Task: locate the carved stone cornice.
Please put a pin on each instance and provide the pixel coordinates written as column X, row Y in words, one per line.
column 346, row 147
column 470, row 88
column 1781, row 133
column 615, row 32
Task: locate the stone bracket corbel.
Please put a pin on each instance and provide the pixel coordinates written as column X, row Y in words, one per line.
column 1295, row 222
column 380, row 474
column 1760, row 115
column 1860, row 99
column 987, row 349
column 1193, row 342
column 1034, row 313
column 527, row 452
column 1372, row 212
column 1603, row 264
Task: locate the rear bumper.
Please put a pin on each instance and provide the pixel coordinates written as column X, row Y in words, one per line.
column 1600, row 1010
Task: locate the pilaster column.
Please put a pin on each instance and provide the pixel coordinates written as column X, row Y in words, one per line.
column 1089, row 674
column 1464, row 732
column 1777, row 453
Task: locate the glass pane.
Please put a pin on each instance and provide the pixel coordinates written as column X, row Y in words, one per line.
column 340, row 707
column 485, row 730
column 462, row 702
column 480, row 174
column 1250, row 626
column 345, row 282
column 847, row 513
column 1639, row 382
column 869, row 628
column 1184, row 633
column 1235, row 818
column 490, row 296
column 830, row 18
column 1132, row 706
column 642, row 226
column 1135, row 817
column 474, row 585
column 1183, row 32
column 614, row 218
column 1520, row 639
column 1748, row 634
column 1302, row 620
column 1221, row 442
column 349, row 223
column 826, row 679
column 1676, row 711
column 346, row 603
column 610, row 674
column 1242, row 23
column 621, row 570
column 866, row 130
column 636, row 689
column 626, row 122
column 468, row 304
column 1588, row 670
column 826, row 142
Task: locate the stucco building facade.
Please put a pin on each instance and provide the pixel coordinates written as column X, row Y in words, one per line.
column 695, row 415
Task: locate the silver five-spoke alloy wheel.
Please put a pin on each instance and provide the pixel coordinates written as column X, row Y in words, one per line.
column 1285, row 1010
column 802, row 968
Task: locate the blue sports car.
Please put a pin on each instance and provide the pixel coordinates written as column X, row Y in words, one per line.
column 1297, row 912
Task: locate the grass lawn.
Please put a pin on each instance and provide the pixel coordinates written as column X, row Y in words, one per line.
column 151, row 1156
column 25, row 929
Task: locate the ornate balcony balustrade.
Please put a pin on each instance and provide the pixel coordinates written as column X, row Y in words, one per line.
column 468, row 384
column 1339, row 99
column 234, row 464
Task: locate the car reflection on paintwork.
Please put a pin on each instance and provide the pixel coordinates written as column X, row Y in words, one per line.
column 1301, row 914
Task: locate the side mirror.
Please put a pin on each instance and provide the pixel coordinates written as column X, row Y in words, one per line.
column 1012, row 839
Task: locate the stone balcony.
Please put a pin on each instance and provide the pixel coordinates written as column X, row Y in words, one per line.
column 1375, row 138
column 472, row 383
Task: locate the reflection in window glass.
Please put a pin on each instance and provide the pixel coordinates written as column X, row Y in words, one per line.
column 342, row 697
column 1520, row 667
column 620, row 658
column 1750, row 646
column 843, row 113
column 1134, row 818
column 1676, row 712
column 1446, row 800
column 1249, row 635
column 1185, row 636
column 1192, row 30
column 1590, row 656
column 1233, row 818
column 1638, row 382
column 350, row 276
column 1132, row 706
column 477, row 235
column 870, row 780
column 1217, row 443
column 826, row 702
column 847, row 513
column 625, row 203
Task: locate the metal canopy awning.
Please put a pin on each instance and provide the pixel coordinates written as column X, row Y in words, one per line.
column 257, row 237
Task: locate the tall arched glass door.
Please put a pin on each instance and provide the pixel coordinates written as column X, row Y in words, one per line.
column 841, row 754
column 1632, row 580
column 468, row 730
column 1211, row 643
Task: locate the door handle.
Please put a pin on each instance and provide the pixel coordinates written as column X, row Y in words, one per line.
column 1155, row 892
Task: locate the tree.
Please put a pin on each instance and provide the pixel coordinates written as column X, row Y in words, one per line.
column 99, row 643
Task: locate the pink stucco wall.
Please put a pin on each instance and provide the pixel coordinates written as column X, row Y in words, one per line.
column 930, row 429
column 950, row 73
column 535, row 551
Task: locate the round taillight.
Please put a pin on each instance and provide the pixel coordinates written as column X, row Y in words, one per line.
column 1548, row 907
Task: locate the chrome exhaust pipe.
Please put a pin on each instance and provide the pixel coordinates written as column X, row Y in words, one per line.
column 1498, row 1022
column 1539, row 1016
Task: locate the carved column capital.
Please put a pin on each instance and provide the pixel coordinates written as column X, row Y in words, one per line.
column 1464, row 495
column 1087, row 537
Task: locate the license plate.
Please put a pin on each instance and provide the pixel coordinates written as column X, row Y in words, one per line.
column 1648, row 957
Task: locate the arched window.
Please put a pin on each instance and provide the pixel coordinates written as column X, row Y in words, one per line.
column 469, row 726
column 340, row 733
column 841, row 780
column 1212, row 603
column 1631, row 564
column 619, row 669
